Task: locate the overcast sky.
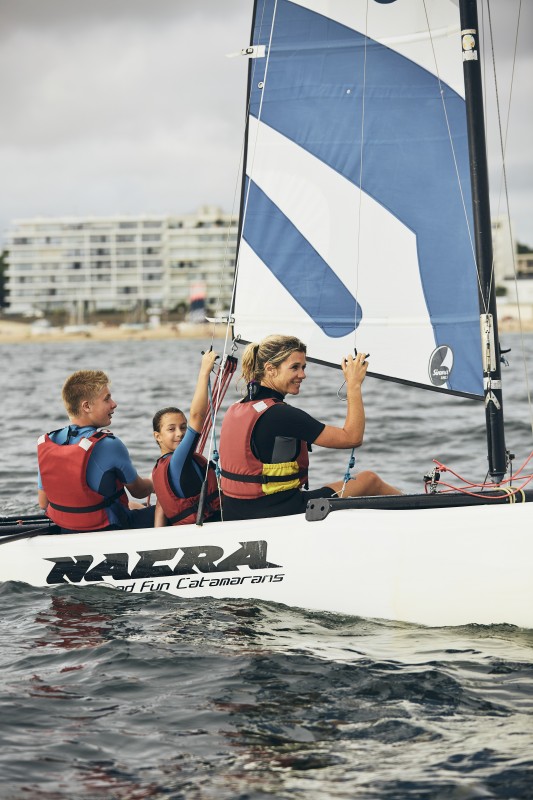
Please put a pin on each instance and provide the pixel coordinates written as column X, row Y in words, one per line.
column 131, row 106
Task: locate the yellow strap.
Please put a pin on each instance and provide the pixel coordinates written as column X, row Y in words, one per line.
column 280, row 470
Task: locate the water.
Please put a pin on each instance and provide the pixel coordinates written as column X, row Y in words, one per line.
column 105, row 695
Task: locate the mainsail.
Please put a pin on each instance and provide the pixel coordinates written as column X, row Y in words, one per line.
column 356, row 208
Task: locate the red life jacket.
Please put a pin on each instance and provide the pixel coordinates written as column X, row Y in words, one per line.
column 183, row 510
column 243, row 475
column 72, row 503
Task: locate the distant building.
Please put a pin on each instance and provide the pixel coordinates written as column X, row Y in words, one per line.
column 503, row 249
column 524, row 265
column 120, row 262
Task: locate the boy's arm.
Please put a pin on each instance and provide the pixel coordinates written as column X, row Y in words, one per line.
column 140, row 487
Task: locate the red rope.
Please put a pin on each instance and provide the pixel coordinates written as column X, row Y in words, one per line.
column 222, row 381
column 507, row 490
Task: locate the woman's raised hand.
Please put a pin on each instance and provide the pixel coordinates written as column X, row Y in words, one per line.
column 354, row 369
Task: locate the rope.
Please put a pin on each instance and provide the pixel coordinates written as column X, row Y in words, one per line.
column 215, row 454
column 222, row 381
column 214, row 457
column 347, row 474
column 476, row 489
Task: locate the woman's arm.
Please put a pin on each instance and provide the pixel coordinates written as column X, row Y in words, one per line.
column 352, row 432
column 200, row 400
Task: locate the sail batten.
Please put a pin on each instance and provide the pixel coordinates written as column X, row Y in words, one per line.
column 356, row 223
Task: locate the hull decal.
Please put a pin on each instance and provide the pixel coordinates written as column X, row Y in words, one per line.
column 159, row 563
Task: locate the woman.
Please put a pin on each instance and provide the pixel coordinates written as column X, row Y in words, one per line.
column 264, row 442
column 179, row 472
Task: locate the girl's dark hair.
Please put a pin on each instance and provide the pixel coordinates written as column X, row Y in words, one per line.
column 156, row 422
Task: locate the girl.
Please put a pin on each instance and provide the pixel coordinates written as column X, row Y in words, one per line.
column 179, row 472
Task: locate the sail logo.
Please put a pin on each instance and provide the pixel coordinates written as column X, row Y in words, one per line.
column 440, row 365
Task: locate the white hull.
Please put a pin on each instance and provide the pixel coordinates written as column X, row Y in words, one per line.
column 437, row 567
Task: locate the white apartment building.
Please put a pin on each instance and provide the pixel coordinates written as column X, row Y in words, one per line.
column 503, row 249
column 120, row 262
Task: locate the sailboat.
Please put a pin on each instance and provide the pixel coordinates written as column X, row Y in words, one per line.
column 364, row 217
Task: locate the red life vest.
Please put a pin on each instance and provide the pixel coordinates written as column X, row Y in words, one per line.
column 183, row 510
column 72, row 503
column 243, row 475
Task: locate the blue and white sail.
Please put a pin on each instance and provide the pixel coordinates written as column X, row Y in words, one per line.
column 356, row 212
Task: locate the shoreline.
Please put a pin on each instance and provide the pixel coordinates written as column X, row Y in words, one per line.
column 22, row 333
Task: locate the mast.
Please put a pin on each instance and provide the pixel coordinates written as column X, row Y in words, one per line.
column 483, row 241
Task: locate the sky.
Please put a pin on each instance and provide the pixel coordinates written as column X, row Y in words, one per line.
column 132, row 106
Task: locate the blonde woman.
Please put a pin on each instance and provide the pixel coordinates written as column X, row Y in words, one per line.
column 264, row 443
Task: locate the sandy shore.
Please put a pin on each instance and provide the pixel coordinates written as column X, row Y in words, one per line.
column 19, row 332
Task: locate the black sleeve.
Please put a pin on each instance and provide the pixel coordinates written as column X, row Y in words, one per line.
column 284, row 420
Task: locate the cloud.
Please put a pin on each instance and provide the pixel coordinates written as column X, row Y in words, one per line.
column 120, row 107
column 125, row 106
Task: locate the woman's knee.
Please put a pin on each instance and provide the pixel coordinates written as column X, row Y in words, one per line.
column 366, row 483
column 369, row 482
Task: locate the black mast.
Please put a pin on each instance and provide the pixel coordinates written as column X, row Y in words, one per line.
column 483, row 240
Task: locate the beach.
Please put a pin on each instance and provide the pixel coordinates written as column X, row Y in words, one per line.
column 19, row 332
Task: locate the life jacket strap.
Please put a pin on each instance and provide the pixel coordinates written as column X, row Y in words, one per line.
column 106, row 502
column 234, row 476
column 192, row 510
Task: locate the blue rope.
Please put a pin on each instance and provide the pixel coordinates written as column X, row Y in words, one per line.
column 347, row 476
column 351, row 465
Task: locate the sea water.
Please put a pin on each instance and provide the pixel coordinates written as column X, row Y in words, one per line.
column 107, row 695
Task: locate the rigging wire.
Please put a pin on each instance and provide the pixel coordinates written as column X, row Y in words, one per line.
column 360, row 193
column 252, row 160
column 504, row 188
column 241, row 171
column 454, row 156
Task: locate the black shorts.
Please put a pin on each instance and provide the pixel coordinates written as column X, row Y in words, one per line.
column 275, row 505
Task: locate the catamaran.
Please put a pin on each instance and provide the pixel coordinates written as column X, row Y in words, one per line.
column 364, row 215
